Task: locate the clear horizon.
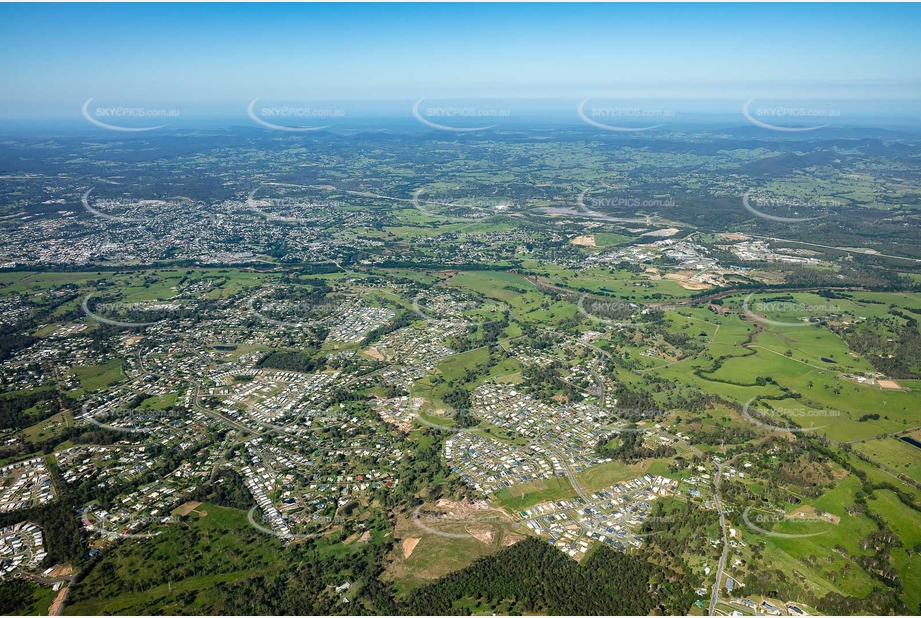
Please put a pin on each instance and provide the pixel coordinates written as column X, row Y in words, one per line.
column 210, row 61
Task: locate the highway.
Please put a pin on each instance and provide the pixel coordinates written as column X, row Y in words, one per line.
column 715, row 597
column 859, row 250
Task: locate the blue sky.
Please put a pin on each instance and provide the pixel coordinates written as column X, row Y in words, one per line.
column 54, row 57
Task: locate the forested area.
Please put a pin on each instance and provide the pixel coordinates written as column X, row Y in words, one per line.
column 891, row 347
column 226, row 489
column 480, row 335
column 630, row 447
column 17, row 595
column 403, row 319
column 533, row 577
column 64, row 540
column 291, row 361
column 546, row 382
column 15, row 408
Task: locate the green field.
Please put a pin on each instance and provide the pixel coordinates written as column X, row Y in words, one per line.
column 97, row 377
column 525, row 496
column 895, row 454
column 904, row 522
